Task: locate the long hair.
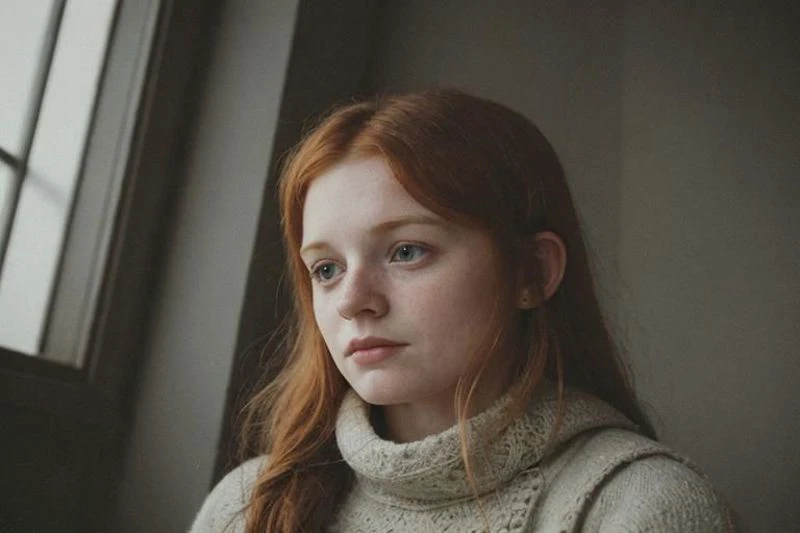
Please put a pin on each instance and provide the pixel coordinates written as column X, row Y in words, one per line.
column 471, row 161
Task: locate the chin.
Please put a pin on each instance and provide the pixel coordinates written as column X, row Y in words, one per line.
column 383, row 397
column 392, row 386
column 382, row 393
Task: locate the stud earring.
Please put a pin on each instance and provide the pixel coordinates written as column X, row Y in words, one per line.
column 524, row 301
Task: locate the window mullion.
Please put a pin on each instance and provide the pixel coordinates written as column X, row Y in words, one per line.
column 9, row 159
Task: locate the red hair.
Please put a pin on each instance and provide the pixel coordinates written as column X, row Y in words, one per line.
column 474, row 162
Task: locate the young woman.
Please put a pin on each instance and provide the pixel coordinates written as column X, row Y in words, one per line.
column 449, row 368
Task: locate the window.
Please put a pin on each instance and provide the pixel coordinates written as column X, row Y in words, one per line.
column 72, row 81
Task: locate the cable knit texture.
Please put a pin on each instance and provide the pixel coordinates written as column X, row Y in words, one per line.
column 596, row 475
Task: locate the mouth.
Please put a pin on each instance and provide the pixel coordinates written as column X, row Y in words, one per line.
column 371, row 350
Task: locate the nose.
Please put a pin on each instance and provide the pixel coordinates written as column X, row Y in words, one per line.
column 361, row 294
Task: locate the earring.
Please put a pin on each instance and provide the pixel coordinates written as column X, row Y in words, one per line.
column 525, row 300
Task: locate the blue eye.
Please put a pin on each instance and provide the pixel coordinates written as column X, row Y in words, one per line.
column 408, row 252
column 324, row 272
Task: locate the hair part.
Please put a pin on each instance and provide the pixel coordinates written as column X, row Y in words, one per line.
column 473, row 162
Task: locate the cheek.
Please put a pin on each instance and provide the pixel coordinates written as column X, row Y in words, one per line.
column 325, row 322
column 455, row 310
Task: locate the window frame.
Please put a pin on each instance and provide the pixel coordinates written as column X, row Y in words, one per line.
column 138, row 154
column 79, row 118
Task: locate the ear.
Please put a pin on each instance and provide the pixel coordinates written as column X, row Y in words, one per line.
column 549, row 251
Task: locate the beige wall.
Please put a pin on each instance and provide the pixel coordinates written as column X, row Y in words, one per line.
column 678, row 131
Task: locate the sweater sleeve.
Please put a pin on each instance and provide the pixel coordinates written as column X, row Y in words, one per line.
column 222, row 510
column 658, row 494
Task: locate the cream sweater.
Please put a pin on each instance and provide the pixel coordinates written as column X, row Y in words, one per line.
column 596, row 475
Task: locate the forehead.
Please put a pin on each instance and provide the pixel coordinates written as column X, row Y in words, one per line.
column 355, row 195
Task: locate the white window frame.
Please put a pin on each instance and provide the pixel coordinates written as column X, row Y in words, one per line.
column 56, row 255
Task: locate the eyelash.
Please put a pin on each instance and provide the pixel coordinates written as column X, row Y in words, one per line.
column 315, row 270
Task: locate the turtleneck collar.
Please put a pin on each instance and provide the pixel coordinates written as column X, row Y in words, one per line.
column 432, row 468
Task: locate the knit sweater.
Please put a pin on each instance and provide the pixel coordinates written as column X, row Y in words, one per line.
column 595, row 475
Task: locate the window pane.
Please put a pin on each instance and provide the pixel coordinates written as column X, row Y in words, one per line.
column 30, row 268
column 23, row 28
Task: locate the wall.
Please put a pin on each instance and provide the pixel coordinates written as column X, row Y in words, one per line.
column 676, row 128
column 709, row 240
column 195, row 315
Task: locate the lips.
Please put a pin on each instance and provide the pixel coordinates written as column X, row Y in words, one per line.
column 368, row 343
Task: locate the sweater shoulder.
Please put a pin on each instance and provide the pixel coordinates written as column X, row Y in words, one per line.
column 615, row 480
column 222, row 510
column 657, row 494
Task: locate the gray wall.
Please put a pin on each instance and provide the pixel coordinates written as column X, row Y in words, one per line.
column 709, row 241
column 677, row 128
column 195, row 317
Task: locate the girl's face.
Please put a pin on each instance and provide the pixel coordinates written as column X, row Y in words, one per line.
column 401, row 296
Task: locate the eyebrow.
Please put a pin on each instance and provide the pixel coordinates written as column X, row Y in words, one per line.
column 385, row 227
